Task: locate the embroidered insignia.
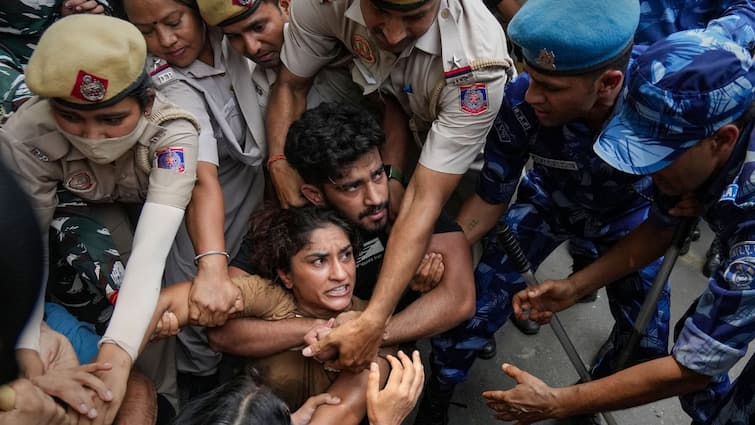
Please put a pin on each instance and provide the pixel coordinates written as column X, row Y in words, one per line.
column 546, row 59
column 39, row 155
column 740, row 274
column 474, row 98
column 363, row 48
column 242, row 3
column 454, row 62
column 171, row 159
column 89, row 87
column 80, row 181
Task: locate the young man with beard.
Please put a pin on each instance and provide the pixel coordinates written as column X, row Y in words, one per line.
column 335, row 148
column 444, row 63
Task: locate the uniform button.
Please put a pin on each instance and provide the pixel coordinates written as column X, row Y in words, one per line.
column 444, row 13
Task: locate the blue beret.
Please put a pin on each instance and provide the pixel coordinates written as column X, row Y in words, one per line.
column 574, row 36
column 681, row 90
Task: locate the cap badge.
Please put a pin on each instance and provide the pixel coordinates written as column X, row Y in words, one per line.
column 546, row 59
column 89, row 87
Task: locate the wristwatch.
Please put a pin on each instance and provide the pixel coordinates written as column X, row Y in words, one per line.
column 394, row 173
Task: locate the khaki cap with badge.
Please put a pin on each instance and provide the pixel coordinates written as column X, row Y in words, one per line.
column 83, row 73
column 226, row 12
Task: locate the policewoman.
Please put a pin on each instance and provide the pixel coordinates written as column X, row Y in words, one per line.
column 97, row 129
column 194, row 68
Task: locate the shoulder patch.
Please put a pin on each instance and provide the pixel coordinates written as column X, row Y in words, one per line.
column 171, row 159
column 740, row 272
column 363, row 48
column 474, row 98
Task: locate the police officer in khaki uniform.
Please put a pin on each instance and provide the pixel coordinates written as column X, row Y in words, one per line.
column 98, row 130
column 446, row 63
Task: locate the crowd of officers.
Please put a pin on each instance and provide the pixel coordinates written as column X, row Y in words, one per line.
column 146, row 133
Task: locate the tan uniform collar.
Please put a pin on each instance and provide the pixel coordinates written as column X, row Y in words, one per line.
column 199, row 69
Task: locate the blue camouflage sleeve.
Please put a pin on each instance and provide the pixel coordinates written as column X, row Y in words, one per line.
column 737, row 22
column 506, row 147
column 716, row 336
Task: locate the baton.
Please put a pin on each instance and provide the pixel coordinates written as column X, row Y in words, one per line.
column 508, row 241
column 681, row 233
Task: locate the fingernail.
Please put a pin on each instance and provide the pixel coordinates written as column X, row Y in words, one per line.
column 83, row 408
column 306, row 352
column 92, row 413
column 109, row 395
column 336, row 400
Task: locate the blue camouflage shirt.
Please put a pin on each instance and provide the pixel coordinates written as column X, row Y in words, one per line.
column 660, row 18
column 716, row 335
column 564, row 164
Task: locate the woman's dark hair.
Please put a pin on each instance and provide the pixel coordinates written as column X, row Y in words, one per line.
column 278, row 234
column 119, row 7
column 241, row 401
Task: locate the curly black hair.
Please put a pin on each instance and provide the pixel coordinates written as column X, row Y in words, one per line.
column 277, row 234
column 329, row 137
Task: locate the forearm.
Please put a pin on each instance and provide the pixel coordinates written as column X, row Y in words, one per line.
column 641, row 384
column 445, row 306
column 287, row 102
column 434, row 312
column 477, row 217
column 407, row 244
column 259, row 338
column 395, row 124
column 351, row 389
column 141, row 285
column 636, row 250
column 205, row 218
column 174, row 299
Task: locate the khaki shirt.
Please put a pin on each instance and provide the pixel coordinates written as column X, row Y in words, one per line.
column 450, row 81
column 332, row 84
column 42, row 158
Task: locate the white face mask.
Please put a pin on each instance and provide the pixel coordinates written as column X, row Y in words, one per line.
column 105, row 151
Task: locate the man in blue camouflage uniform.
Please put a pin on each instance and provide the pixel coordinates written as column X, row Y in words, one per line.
column 21, row 25
column 569, row 194
column 552, row 113
column 687, row 121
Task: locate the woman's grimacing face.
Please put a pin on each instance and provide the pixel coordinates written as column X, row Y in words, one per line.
column 322, row 274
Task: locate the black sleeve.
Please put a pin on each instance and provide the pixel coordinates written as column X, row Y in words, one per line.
column 446, row 224
column 21, row 260
column 241, row 260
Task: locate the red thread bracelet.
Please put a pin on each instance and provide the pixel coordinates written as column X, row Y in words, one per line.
column 276, row 157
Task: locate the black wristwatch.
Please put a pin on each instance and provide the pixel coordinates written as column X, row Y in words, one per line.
column 394, row 173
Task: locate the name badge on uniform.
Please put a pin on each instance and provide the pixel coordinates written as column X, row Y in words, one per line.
column 474, row 98
column 171, row 159
column 555, row 163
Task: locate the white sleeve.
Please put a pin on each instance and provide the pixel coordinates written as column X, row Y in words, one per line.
column 138, row 295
